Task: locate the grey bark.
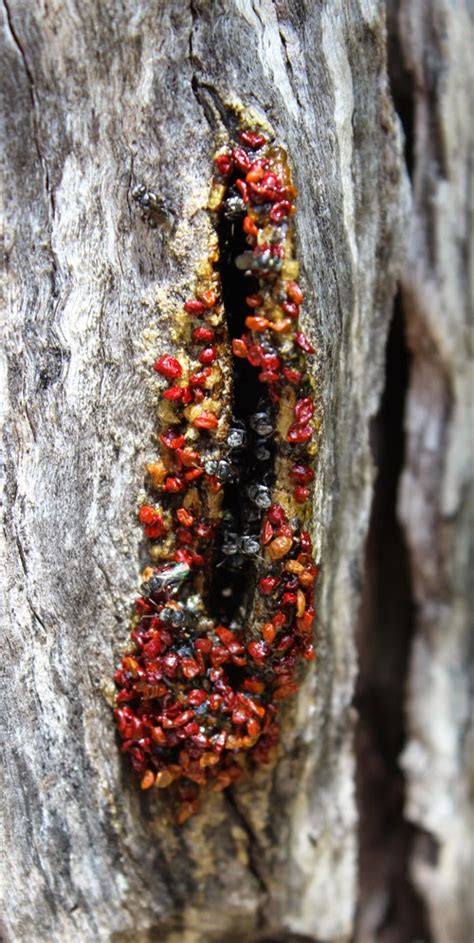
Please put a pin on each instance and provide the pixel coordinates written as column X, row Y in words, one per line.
column 98, row 98
column 436, row 496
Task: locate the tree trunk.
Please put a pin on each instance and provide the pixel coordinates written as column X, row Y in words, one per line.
column 436, row 496
column 99, row 98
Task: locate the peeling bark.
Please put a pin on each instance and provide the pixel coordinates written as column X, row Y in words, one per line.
column 100, row 98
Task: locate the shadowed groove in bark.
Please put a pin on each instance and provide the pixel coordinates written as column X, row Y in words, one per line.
column 401, row 83
column 234, row 578
column 390, row 909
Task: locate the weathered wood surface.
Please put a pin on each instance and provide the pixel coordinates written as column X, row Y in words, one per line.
column 98, row 98
column 436, row 497
column 416, row 843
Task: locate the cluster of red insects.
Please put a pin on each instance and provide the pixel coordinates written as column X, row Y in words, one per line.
column 198, row 694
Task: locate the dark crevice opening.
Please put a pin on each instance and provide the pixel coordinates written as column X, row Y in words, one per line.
column 251, row 463
column 401, row 83
column 390, row 909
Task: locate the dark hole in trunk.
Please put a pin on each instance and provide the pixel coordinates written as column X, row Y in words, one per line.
column 390, row 909
column 237, row 543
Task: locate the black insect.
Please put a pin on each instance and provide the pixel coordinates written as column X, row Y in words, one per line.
column 152, row 204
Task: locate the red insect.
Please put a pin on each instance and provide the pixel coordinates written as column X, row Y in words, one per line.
column 198, row 691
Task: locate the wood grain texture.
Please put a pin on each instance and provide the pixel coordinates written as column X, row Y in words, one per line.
column 98, row 98
column 437, row 499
